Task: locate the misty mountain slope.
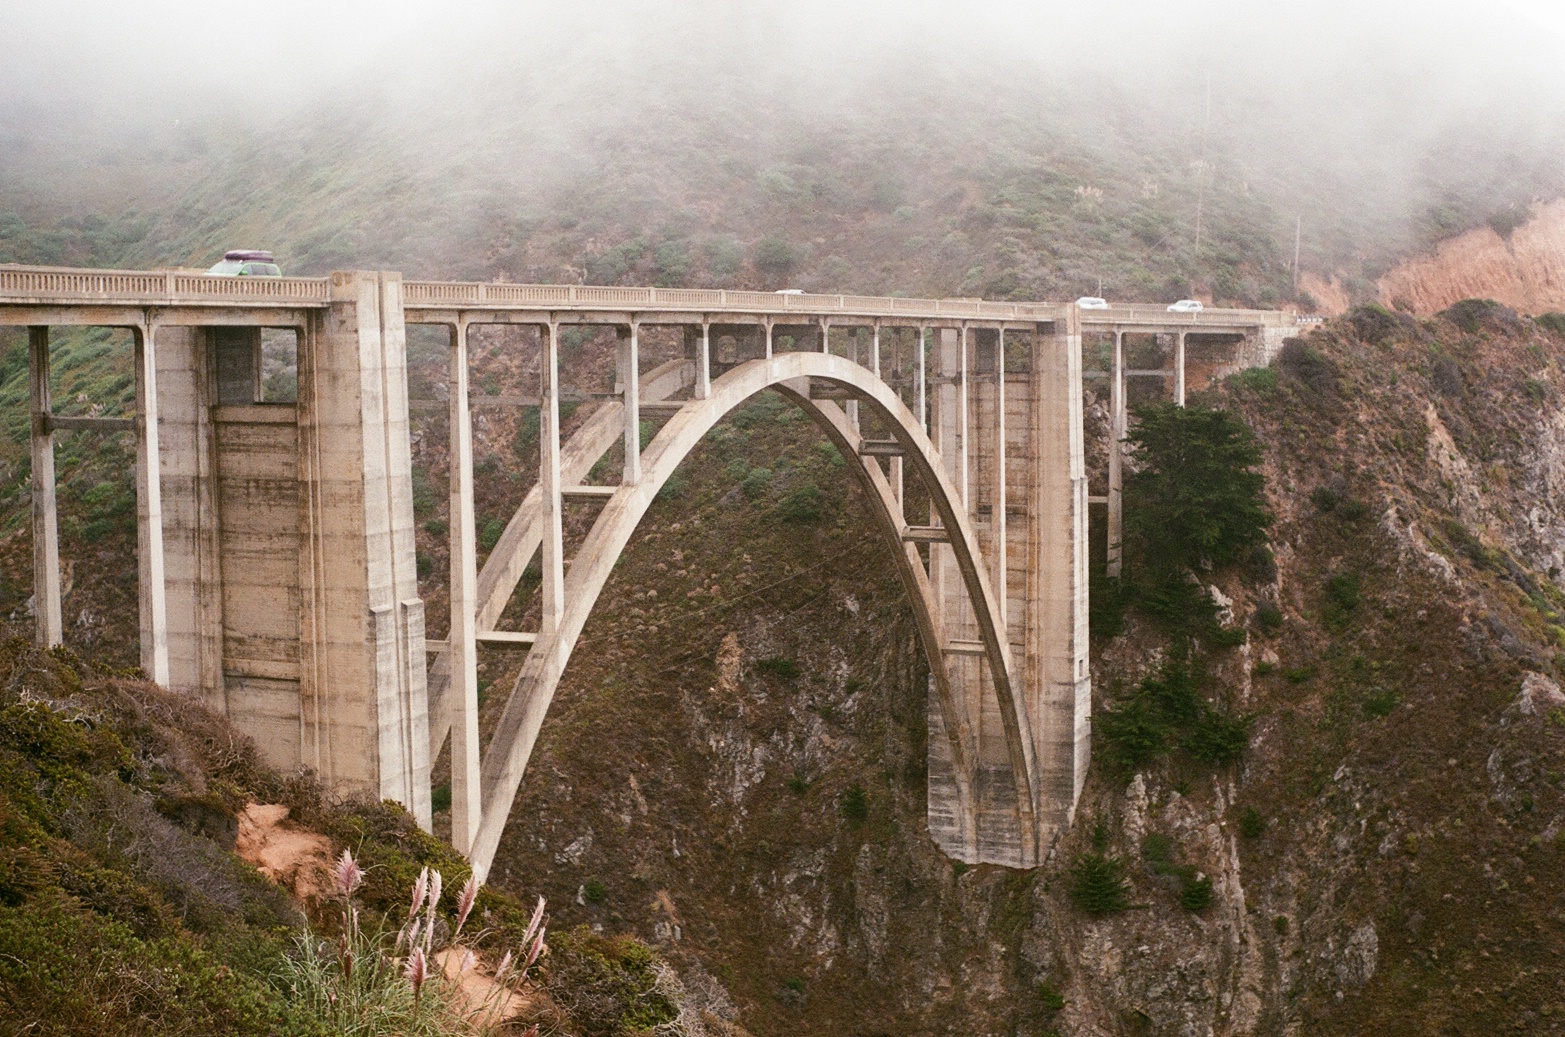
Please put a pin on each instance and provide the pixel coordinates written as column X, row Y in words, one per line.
column 926, row 178
column 734, row 764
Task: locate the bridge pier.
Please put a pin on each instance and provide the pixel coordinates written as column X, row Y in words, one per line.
column 292, row 595
column 46, row 519
column 1038, row 560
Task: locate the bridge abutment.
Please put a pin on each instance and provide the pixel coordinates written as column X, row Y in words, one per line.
column 291, row 584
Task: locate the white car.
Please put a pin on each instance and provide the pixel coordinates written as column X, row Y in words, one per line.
column 246, row 262
column 1092, row 302
column 1186, row 306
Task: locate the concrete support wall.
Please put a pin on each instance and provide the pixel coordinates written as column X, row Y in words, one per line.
column 364, row 711
column 1055, row 671
column 291, row 587
column 1030, row 489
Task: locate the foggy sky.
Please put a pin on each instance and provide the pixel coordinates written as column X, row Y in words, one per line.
column 1397, row 57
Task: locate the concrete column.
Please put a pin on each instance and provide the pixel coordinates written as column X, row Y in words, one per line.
column 364, row 709
column 997, row 502
column 46, row 519
column 893, row 464
column 920, row 380
column 964, row 362
column 1059, row 688
column 1116, row 501
column 192, row 534
column 1179, row 371
column 704, row 363
column 851, row 408
column 462, row 653
column 149, row 512
column 629, row 369
column 553, row 544
column 768, row 324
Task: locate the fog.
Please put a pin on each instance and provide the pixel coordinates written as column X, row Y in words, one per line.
column 1375, row 58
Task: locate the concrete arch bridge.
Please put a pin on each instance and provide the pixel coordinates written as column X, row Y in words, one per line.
column 278, row 573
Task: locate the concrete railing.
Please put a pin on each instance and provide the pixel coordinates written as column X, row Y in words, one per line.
column 36, row 284
column 1151, row 313
column 489, row 295
column 47, row 285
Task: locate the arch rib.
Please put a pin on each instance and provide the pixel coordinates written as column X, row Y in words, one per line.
column 523, row 535
column 512, row 744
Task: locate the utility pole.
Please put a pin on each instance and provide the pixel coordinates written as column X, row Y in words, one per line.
column 1298, row 228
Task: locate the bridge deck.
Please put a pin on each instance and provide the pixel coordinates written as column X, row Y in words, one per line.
column 64, row 289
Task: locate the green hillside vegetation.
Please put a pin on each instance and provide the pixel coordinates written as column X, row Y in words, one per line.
column 123, row 911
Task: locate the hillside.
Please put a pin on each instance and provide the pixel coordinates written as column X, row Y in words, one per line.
column 879, row 178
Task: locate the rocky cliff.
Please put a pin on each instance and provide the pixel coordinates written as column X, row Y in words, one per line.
column 1522, row 266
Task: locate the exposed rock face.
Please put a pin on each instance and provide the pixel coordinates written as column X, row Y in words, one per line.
column 1525, row 271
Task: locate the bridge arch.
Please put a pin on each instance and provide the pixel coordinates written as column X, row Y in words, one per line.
column 793, row 374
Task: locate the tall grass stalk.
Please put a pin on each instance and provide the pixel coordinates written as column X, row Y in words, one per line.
column 375, row 982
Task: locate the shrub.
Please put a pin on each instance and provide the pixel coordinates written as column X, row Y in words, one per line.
column 1553, row 322
column 1374, row 323
column 594, row 892
column 1268, row 617
column 489, row 533
column 1048, row 997
column 1196, row 894
column 424, row 496
column 66, row 971
column 1343, row 594
column 1260, row 565
column 610, row 986
column 778, row 666
column 673, row 488
column 1324, row 498
column 1251, row 824
column 671, row 264
column 1473, row 315
column 756, row 482
column 1166, row 711
column 854, row 804
column 1098, row 884
column 1217, row 737
column 1353, row 510
column 1106, row 600
column 802, row 504
column 1381, row 702
column 1255, row 379
column 1132, row 735
column 774, row 256
column 1308, row 368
